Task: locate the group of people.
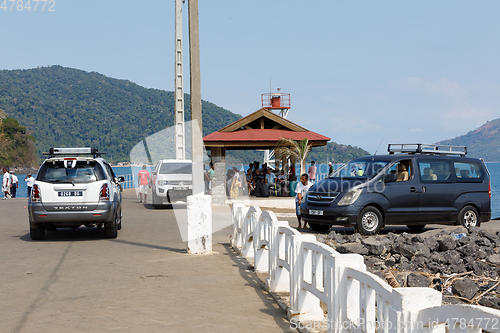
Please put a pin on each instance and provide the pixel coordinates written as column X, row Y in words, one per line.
column 10, row 183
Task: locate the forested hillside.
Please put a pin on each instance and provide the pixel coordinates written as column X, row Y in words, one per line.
column 17, row 147
column 66, row 107
column 69, row 107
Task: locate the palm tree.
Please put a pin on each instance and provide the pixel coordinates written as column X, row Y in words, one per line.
column 290, row 147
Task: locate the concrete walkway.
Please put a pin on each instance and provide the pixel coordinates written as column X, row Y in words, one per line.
column 143, row 281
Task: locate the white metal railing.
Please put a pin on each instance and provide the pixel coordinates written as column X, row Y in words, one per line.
column 357, row 301
column 129, row 181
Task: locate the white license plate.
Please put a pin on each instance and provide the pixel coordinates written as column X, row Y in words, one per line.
column 70, row 194
column 180, row 188
column 315, row 212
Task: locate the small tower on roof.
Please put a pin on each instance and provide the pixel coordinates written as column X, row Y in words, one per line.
column 279, row 102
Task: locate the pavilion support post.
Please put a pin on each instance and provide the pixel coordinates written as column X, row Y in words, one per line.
column 219, row 180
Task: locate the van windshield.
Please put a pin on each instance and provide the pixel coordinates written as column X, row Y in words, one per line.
column 167, row 168
column 359, row 169
column 83, row 172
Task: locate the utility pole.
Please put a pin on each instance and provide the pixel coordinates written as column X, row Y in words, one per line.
column 196, row 120
column 199, row 205
column 180, row 139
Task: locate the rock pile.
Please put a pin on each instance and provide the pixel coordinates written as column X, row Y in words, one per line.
column 463, row 264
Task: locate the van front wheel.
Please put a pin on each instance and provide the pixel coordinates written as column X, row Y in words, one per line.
column 369, row 221
column 469, row 217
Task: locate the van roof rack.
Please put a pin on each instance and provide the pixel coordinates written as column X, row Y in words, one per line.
column 419, row 148
column 53, row 152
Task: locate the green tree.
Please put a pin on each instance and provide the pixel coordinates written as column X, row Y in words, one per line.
column 299, row 149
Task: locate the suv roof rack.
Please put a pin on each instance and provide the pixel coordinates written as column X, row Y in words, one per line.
column 53, row 152
column 419, row 148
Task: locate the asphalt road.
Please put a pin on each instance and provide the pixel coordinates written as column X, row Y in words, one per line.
column 143, row 281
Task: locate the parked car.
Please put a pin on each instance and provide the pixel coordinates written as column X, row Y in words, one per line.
column 172, row 180
column 74, row 187
column 413, row 185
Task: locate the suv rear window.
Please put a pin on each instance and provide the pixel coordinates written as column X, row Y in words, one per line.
column 166, row 168
column 83, row 172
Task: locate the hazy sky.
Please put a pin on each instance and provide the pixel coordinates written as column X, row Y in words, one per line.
column 357, row 71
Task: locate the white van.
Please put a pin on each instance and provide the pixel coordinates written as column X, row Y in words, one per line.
column 172, row 180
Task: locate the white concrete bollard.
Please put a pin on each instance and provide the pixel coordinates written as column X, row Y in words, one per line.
column 199, row 224
column 406, row 304
column 304, row 306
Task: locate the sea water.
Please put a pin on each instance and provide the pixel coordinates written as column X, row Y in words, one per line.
column 494, row 169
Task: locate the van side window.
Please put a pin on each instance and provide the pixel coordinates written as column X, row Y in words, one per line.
column 435, row 170
column 402, row 171
column 468, row 171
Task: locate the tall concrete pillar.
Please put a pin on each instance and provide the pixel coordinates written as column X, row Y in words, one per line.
column 195, row 82
column 219, row 181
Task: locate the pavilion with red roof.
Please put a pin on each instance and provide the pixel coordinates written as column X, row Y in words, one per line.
column 262, row 129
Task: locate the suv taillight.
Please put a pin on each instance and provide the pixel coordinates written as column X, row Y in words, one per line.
column 36, row 194
column 489, row 189
column 104, row 193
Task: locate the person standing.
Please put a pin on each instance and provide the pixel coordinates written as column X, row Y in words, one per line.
column 235, row 184
column 210, row 174
column 14, row 184
column 312, row 172
column 6, row 183
column 143, row 183
column 30, row 181
column 301, row 189
column 330, row 168
column 291, row 174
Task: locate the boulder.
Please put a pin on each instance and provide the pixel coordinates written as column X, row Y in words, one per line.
column 432, row 243
column 493, row 259
column 447, row 243
column 465, row 288
column 422, row 250
column 352, row 248
column 490, row 301
column 452, row 257
column 335, row 237
column 407, row 250
column 374, row 246
column 354, row 238
column 417, row 280
column 417, row 239
column 472, row 250
column 483, row 242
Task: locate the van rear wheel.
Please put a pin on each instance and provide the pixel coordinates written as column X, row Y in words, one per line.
column 469, row 217
column 38, row 232
column 369, row 221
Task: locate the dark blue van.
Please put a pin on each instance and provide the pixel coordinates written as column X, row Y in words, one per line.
column 414, row 185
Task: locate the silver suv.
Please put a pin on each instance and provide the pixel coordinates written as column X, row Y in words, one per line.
column 172, row 180
column 74, row 187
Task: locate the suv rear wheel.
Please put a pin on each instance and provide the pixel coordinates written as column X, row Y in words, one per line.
column 369, row 221
column 469, row 217
column 37, row 233
column 112, row 231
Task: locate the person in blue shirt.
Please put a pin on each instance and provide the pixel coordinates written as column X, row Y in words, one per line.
column 270, row 177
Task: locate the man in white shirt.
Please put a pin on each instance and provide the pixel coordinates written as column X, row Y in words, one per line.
column 6, row 184
column 301, row 190
column 14, row 184
column 30, row 181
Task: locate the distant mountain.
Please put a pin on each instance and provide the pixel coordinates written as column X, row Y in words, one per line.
column 69, row 107
column 483, row 142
